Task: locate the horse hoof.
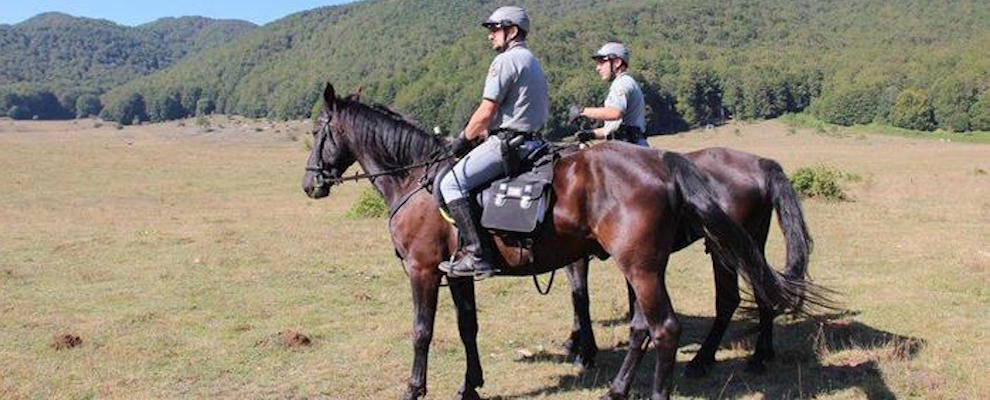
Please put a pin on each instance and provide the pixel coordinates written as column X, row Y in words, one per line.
column 570, row 347
column 696, row 370
column 414, row 393
column 584, row 363
column 467, row 394
column 613, row 396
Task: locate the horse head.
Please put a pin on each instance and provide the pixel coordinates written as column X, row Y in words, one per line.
column 330, row 155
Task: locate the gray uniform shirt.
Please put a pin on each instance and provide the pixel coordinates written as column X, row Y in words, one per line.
column 624, row 94
column 515, row 82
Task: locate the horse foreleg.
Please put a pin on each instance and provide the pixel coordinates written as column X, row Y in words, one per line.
column 726, row 302
column 462, row 291
column 581, row 343
column 425, row 282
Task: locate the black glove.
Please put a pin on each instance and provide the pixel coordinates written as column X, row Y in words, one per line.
column 460, row 146
column 585, row 135
column 574, row 114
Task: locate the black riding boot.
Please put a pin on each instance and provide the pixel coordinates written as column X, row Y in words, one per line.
column 476, row 252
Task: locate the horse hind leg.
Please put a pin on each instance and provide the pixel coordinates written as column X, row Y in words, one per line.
column 639, row 335
column 764, row 342
column 726, row 301
column 581, row 343
column 654, row 318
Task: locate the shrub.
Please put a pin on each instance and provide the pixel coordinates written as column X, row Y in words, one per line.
column 370, row 205
column 819, row 181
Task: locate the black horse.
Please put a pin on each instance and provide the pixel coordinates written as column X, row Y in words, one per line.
column 613, row 199
column 749, row 188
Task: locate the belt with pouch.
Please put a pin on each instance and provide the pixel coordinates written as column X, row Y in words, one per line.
column 511, row 140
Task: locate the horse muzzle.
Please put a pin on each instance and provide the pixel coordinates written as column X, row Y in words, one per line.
column 315, row 185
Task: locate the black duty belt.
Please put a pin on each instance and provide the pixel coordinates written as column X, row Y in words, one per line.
column 508, row 135
column 627, row 133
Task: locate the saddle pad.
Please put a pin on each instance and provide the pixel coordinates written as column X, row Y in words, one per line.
column 518, row 204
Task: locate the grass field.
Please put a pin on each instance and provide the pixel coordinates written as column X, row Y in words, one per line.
column 177, row 255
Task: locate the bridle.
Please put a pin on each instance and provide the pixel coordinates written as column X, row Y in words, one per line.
column 323, row 177
column 328, row 177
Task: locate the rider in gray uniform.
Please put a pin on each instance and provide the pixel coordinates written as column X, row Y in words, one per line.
column 624, row 111
column 514, row 103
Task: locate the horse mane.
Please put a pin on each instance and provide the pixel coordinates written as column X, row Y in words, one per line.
column 392, row 137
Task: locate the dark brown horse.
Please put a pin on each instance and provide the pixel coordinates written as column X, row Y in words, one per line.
column 749, row 188
column 613, row 199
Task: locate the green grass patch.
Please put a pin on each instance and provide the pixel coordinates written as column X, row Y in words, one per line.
column 808, row 121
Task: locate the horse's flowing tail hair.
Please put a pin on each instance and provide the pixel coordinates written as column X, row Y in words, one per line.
column 733, row 244
column 791, row 220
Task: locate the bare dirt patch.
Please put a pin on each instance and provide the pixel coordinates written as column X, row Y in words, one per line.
column 288, row 338
column 65, row 341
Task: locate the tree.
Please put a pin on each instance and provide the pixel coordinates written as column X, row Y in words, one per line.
column 951, row 101
column 204, row 106
column 19, row 112
column 87, row 105
column 913, row 111
column 847, row 105
column 979, row 113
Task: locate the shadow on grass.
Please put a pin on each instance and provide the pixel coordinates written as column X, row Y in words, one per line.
column 796, row 372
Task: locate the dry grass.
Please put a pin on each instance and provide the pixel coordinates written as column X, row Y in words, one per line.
column 173, row 252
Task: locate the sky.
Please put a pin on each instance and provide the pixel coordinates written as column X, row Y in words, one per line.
column 136, row 12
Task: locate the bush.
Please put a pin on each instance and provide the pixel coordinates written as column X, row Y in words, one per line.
column 913, row 110
column 818, row 181
column 370, row 205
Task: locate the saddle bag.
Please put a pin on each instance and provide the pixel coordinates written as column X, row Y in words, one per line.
column 518, row 204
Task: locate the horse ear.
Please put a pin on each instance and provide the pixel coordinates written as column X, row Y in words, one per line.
column 329, row 97
column 357, row 93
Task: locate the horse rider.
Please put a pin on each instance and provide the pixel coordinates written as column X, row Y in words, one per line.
column 624, row 109
column 513, row 109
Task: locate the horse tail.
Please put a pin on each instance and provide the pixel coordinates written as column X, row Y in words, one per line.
column 729, row 241
column 791, row 220
column 798, row 240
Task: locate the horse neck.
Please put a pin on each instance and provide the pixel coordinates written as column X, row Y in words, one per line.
column 373, row 153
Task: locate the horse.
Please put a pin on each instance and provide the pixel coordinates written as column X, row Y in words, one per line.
column 613, row 199
column 749, row 188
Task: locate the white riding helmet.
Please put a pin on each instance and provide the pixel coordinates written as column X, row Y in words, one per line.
column 508, row 16
column 613, row 50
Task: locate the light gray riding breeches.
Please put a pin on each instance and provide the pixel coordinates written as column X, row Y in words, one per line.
column 482, row 165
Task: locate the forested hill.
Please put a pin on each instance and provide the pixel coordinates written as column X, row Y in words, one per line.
column 49, row 61
column 912, row 63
